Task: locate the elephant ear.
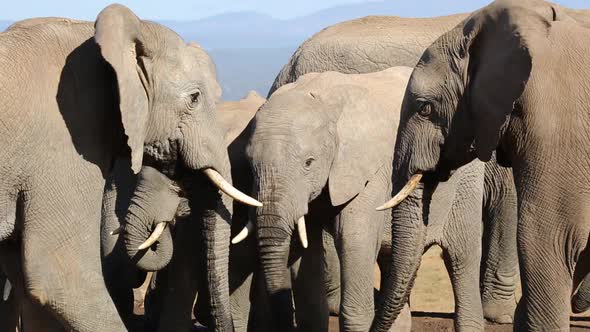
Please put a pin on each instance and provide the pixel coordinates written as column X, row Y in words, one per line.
column 118, row 33
column 365, row 132
column 499, row 67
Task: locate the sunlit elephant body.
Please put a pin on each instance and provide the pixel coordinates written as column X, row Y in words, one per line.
column 318, row 149
column 512, row 78
column 374, row 43
column 81, row 96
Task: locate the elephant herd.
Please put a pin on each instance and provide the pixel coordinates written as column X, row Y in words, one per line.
column 118, row 158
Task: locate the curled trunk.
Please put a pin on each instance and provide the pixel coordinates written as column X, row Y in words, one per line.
column 137, row 232
column 408, row 242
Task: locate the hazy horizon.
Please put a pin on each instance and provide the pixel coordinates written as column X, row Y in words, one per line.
column 187, row 10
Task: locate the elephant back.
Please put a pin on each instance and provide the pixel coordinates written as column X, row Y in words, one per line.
column 365, row 45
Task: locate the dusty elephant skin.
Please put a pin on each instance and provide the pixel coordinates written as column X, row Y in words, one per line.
column 62, row 134
column 365, row 45
column 182, row 267
column 512, row 78
column 377, row 42
column 307, row 149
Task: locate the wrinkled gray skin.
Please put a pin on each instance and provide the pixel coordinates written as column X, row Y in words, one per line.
column 365, row 45
column 581, row 300
column 169, row 302
column 374, row 43
column 74, row 129
column 120, row 273
column 319, row 148
column 450, row 217
column 179, row 273
column 510, row 78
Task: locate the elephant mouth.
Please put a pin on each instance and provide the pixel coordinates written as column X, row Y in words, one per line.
column 164, row 156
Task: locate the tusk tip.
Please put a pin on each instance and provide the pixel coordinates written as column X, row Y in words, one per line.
column 382, row 208
column 116, row 231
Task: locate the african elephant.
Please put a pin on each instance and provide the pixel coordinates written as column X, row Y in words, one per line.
column 180, row 272
column 377, row 42
column 511, row 78
column 83, row 95
column 305, row 149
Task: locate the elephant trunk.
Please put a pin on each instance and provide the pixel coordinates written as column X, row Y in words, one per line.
column 408, row 241
column 274, row 238
column 216, row 214
column 138, row 227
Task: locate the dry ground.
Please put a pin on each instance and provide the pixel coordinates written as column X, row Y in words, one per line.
column 432, row 301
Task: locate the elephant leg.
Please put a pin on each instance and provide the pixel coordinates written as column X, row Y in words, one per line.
column 240, row 303
column 151, row 303
column 463, row 267
column 309, row 292
column 62, row 265
column 242, row 264
column 332, row 272
column 547, row 263
column 499, row 266
column 357, row 242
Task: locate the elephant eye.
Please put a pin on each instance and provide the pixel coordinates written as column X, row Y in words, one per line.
column 308, row 162
column 195, row 97
column 425, row 109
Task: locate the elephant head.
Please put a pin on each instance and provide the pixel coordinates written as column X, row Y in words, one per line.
column 325, row 135
column 167, row 91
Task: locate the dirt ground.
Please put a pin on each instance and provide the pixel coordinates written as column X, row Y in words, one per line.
column 432, row 301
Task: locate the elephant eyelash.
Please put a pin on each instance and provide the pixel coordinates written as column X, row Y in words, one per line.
column 195, row 97
column 308, row 162
column 425, row 109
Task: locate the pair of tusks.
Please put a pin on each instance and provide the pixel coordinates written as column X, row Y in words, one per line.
column 403, row 194
column 250, row 226
column 222, row 184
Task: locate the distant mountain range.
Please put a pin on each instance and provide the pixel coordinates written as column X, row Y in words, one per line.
column 250, row 48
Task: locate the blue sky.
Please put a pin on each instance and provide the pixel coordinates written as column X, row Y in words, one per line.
column 194, row 9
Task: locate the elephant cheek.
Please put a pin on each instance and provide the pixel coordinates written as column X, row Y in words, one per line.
column 203, row 146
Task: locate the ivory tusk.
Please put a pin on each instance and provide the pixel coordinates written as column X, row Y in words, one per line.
column 154, row 237
column 228, row 189
column 117, row 230
column 405, row 192
column 243, row 233
column 302, row 232
column 7, row 290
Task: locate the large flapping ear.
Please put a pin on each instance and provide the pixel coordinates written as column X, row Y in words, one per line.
column 118, row 33
column 365, row 132
column 499, row 67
